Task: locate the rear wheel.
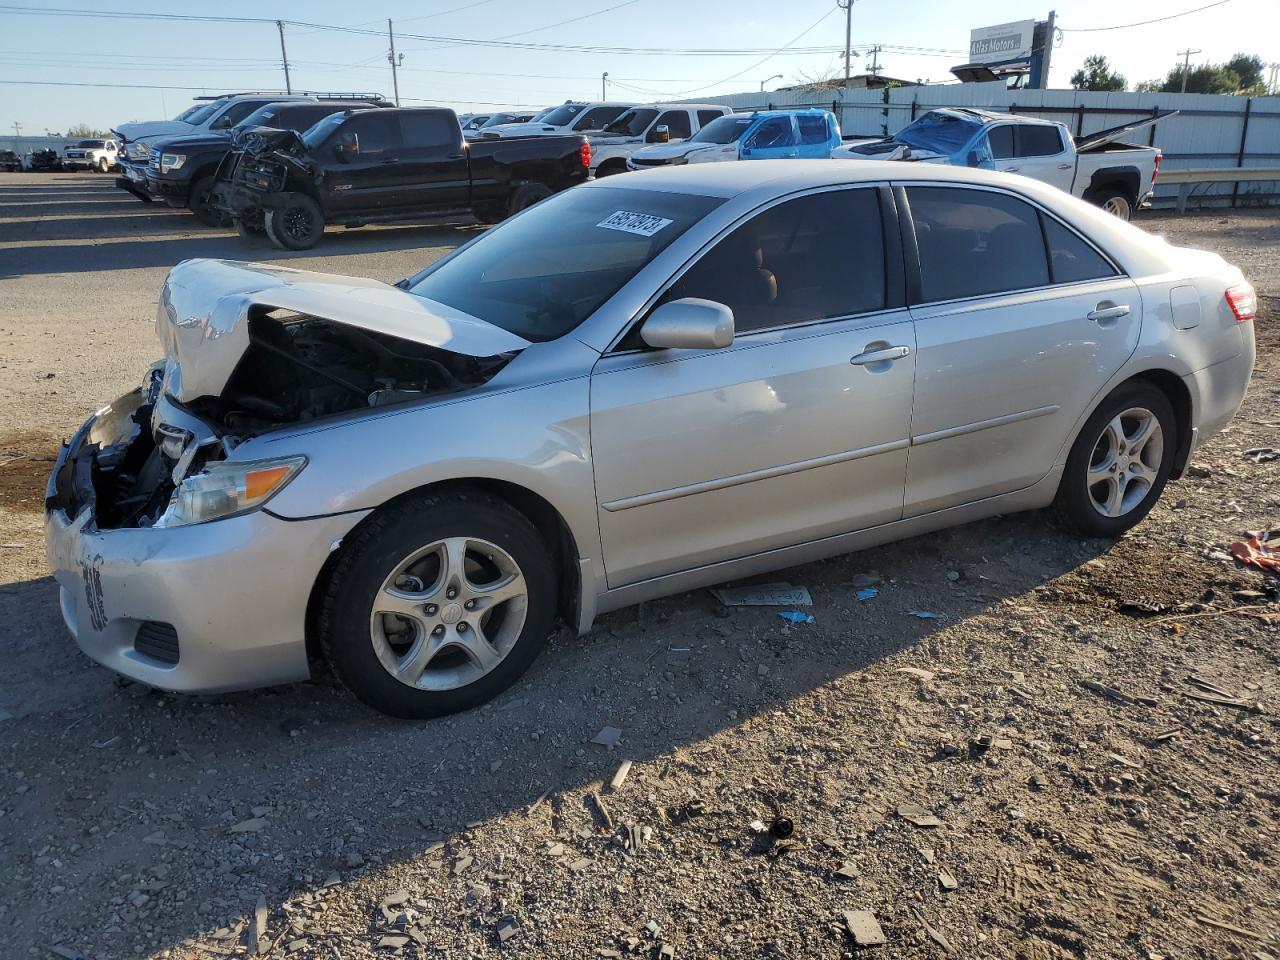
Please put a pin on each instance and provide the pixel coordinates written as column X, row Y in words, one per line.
column 527, row 195
column 198, row 203
column 1119, row 463
column 1115, row 202
column 438, row 604
column 490, row 213
column 295, row 224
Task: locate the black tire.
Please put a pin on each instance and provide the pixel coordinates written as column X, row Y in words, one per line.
column 490, row 213
column 372, row 554
column 296, row 223
column 102, row 165
column 1078, row 502
column 1116, row 202
column 198, row 204
column 526, row 195
column 611, row 167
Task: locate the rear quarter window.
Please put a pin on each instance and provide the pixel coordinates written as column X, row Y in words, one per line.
column 1038, row 140
column 812, row 129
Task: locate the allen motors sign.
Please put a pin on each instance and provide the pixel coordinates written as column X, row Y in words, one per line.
column 1004, row 41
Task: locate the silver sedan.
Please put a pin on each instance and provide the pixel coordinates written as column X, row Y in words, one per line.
column 636, row 387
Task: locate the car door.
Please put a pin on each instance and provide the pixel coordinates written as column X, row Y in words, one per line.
column 774, row 139
column 1020, row 321
column 367, row 180
column 431, row 165
column 1041, row 152
column 815, row 138
column 795, row 432
column 677, row 122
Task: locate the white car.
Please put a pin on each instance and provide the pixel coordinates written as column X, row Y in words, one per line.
column 97, row 155
column 566, row 118
column 1115, row 176
column 654, row 123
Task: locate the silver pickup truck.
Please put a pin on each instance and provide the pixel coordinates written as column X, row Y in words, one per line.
column 1116, row 176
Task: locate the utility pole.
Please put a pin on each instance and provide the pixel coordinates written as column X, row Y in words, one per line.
column 776, row 76
column 1273, row 87
column 1186, row 65
column 1046, row 54
column 284, row 58
column 604, row 85
column 391, row 57
column 847, row 7
column 17, row 129
column 874, row 69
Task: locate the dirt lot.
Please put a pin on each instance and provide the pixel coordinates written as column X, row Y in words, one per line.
column 294, row 822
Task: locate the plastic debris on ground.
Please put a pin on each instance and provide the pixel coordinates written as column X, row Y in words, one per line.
column 927, row 614
column 764, row 595
column 795, row 616
column 1261, row 550
column 867, row 593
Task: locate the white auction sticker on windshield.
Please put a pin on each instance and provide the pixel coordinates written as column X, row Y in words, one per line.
column 641, row 224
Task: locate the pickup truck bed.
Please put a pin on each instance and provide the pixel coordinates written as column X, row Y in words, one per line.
column 387, row 165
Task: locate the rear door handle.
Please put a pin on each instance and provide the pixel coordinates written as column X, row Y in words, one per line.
column 1103, row 314
column 1064, row 166
column 880, row 356
column 390, row 160
column 1010, row 169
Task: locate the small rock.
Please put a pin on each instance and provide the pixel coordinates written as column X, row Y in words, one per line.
column 249, row 826
column 393, row 942
column 608, row 737
column 864, row 928
column 917, row 815
column 507, row 928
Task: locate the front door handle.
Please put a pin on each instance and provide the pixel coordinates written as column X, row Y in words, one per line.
column 880, row 356
column 1104, row 314
column 1010, row 169
column 1064, row 166
column 390, row 160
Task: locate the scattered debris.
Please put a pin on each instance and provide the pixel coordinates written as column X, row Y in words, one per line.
column 934, row 935
column 1261, row 550
column 946, row 881
column 256, row 937
column 782, row 827
column 393, row 941
column 867, row 593
column 1110, row 692
column 918, row 672
column 917, row 815
column 1204, row 918
column 580, row 864
column 608, row 737
column 846, row 871
column 764, row 595
column 926, row 614
column 252, row 825
column 603, row 811
column 870, row 579
column 864, row 928
column 1261, row 454
column 391, row 905
column 507, row 928
column 620, row 777
column 795, row 616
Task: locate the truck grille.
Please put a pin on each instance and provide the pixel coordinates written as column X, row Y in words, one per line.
column 153, row 162
column 157, row 640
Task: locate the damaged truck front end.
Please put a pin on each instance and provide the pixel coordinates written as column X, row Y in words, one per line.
column 150, row 585
column 264, row 165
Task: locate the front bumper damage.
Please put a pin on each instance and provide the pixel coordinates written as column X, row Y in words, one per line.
column 203, row 608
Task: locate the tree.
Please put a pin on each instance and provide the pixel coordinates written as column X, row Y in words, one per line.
column 1096, row 74
column 83, row 131
column 1248, row 67
column 1207, row 78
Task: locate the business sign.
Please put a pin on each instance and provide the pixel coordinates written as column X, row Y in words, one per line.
column 1004, row 41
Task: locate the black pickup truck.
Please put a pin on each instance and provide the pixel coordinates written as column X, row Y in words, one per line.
column 180, row 170
column 376, row 166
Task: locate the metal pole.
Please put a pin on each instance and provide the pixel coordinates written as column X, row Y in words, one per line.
column 604, row 85
column 1244, row 136
column 395, row 80
column 1047, row 53
column 284, row 58
column 848, row 37
column 1186, row 65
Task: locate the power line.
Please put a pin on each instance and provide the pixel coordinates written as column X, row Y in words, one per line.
column 1143, row 23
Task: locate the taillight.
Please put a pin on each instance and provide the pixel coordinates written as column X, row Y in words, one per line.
column 1243, row 302
column 1156, row 172
column 585, row 153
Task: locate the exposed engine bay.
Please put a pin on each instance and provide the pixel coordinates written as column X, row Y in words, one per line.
column 300, row 368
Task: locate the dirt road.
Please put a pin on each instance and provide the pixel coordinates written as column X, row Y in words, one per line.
column 1128, row 819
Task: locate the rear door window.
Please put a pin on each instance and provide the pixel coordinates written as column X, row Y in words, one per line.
column 429, row 130
column 813, row 258
column 706, row 116
column 976, row 242
column 812, row 129
column 1038, row 140
column 677, row 122
column 1071, row 260
column 597, row 118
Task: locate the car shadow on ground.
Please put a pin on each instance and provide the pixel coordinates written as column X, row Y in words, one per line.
column 670, row 674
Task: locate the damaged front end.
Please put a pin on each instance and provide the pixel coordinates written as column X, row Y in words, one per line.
column 264, row 161
column 250, row 349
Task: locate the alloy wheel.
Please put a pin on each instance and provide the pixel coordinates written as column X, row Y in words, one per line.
column 297, row 224
column 1117, row 207
column 1125, row 461
column 449, row 613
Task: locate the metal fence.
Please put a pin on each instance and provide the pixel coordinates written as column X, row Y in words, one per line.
column 1209, row 131
column 23, row 145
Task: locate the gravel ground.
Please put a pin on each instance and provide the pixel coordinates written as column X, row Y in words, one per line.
column 1124, row 820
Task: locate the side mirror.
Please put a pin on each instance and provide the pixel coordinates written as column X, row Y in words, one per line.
column 347, row 148
column 689, row 324
column 660, row 134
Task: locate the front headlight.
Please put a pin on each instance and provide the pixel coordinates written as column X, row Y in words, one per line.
column 141, row 148
column 172, row 161
column 228, row 489
column 676, row 161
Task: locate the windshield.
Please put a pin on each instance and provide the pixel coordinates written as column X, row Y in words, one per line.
column 563, row 114
column 317, row 134
column 543, row 272
column 723, row 130
column 201, row 113
column 940, row 132
column 632, row 123
column 498, row 118
column 188, row 113
column 541, row 114
column 261, row 117
column 92, row 144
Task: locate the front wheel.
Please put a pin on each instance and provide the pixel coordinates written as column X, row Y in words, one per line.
column 1119, row 463
column 102, row 164
column 296, row 224
column 198, row 202
column 438, row 604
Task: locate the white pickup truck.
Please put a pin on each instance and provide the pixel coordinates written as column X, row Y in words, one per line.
column 652, row 123
column 1116, row 176
column 97, row 155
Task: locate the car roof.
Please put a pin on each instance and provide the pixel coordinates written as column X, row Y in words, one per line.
column 783, row 113
column 785, row 176
column 987, row 116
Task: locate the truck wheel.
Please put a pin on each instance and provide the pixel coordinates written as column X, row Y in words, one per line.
column 490, row 213
column 102, row 164
column 198, row 204
column 296, row 224
column 438, row 603
column 527, row 195
column 609, row 168
column 1115, row 202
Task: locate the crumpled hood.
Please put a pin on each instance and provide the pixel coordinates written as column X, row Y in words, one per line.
column 202, row 318
column 888, row 149
column 193, row 141
column 669, row 151
column 147, row 129
column 259, row 140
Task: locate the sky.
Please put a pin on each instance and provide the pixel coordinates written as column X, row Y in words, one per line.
column 768, row 38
